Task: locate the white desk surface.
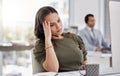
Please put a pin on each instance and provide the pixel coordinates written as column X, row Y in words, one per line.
column 72, row 73
column 108, row 72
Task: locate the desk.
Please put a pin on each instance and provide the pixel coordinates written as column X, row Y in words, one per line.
column 76, row 73
column 72, row 73
column 98, row 54
column 100, row 58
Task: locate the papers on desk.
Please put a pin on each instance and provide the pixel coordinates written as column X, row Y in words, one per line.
column 72, row 73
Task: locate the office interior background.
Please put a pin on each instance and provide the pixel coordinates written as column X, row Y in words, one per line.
column 17, row 30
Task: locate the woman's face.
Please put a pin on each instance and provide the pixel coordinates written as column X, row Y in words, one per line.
column 55, row 23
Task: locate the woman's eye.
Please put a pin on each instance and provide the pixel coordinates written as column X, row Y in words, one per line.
column 58, row 20
column 51, row 25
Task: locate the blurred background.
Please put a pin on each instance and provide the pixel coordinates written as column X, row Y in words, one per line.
column 17, row 29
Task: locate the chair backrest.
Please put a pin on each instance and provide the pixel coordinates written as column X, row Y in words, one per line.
column 37, row 68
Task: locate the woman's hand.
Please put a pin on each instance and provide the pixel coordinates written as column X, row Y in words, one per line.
column 84, row 64
column 51, row 63
column 47, row 30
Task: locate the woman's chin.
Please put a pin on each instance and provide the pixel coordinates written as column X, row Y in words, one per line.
column 59, row 33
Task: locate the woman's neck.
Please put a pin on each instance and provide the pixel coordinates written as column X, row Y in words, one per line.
column 57, row 37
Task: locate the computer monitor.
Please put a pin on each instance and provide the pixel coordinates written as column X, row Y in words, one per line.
column 115, row 33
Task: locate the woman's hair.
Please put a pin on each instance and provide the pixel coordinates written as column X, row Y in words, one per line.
column 40, row 16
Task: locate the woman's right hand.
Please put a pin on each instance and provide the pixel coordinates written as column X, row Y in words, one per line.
column 51, row 63
column 47, row 30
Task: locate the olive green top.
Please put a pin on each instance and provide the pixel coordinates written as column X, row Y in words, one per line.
column 70, row 52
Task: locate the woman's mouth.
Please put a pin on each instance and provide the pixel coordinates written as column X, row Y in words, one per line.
column 59, row 30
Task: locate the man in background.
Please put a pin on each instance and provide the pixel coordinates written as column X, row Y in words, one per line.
column 92, row 37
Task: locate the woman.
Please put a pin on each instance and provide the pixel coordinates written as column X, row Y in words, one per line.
column 54, row 50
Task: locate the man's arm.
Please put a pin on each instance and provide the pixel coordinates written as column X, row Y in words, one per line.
column 88, row 46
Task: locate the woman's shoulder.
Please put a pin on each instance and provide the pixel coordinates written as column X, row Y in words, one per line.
column 39, row 46
column 72, row 35
column 69, row 34
column 39, row 42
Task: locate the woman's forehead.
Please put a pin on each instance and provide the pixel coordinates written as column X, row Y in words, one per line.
column 52, row 17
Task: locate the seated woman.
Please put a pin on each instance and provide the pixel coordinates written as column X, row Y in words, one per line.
column 54, row 50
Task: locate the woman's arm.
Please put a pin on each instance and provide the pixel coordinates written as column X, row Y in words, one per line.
column 82, row 47
column 51, row 62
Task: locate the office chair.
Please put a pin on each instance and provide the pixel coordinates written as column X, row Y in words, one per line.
column 37, row 68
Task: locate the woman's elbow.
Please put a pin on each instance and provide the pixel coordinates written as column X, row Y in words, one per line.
column 51, row 68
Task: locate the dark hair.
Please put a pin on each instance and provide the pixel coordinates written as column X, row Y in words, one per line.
column 87, row 17
column 40, row 16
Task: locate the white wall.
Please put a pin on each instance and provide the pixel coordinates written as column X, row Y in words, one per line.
column 115, row 36
column 79, row 8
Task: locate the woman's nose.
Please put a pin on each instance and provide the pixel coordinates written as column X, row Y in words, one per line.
column 57, row 26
